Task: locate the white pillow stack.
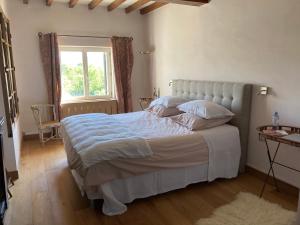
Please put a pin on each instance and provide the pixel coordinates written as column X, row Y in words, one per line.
column 202, row 114
column 194, row 115
column 168, row 101
column 193, row 122
column 166, row 106
column 205, row 109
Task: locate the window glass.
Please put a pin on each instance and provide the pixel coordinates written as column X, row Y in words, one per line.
column 97, row 73
column 72, row 74
column 85, row 72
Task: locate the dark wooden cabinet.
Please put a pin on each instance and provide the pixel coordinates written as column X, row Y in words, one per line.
column 298, row 213
column 3, row 186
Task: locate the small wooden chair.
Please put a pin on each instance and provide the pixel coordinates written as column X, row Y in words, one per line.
column 46, row 121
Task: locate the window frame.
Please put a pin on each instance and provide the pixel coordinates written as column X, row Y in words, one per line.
column 109, row 70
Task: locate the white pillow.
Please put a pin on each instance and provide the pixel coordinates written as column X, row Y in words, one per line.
column 168, row 101
column 163, row 111
column 205, row 109
column 193, row 122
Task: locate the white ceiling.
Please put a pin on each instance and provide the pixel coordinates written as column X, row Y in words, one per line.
column 104, row 3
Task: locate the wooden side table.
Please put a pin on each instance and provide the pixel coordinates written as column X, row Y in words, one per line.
column 145, row 102
column 280, row 139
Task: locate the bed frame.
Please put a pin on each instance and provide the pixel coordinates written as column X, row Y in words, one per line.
column 234, row 96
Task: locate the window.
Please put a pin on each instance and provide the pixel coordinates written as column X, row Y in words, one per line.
column 86, row 72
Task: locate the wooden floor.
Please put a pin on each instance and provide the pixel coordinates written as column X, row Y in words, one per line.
column 46, row 194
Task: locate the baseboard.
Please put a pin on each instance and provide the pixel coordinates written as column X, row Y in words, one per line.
column 14, row 175
column 282, row 184
column 27, row 137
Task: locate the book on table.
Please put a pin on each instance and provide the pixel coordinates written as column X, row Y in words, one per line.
column 278, row 133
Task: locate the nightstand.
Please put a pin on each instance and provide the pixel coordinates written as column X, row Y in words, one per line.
column 145, row 102
column 270, row 133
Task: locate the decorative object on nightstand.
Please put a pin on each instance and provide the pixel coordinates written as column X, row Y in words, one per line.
column 145, row 102
column 282, row 135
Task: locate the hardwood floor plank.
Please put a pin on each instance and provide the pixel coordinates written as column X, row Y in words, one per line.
column 42, row 209
column 22, row 200
column 88, row 216
column 188, row 204
column 138, row 213
column 62, row 197
column 166, row 208
column 46, row 194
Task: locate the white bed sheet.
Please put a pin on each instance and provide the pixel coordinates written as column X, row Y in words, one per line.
column 117, row 193
column 224, row 151
column 223, row 141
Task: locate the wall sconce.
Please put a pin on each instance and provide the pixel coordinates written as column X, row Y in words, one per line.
column 170, row 83
column 263, row 90
column 147, row 52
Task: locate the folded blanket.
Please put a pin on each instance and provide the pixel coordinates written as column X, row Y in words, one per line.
column 98, row 137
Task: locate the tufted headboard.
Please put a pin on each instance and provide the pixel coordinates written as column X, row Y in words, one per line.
column 234, row 96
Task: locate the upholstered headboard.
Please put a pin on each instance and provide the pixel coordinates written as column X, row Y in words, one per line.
column 234, row 96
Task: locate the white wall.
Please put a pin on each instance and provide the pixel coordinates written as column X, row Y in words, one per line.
column 3, row 5
column 28, row 20
column 12, row 146
column 242, row 41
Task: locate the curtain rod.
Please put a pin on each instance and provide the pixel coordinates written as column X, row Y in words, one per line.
column 82, row 36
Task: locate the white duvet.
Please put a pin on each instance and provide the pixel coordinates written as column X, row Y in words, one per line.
column 98, row 137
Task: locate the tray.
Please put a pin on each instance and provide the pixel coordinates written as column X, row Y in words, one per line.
column 279, row 138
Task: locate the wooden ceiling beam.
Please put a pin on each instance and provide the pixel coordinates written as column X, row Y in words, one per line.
column 94, row 3
column 25, row 1
column 152, row 7
column 115, row 4
column 72, row 3
column 189, row 2
column 49, row 2
column 136, row 5
column 199, row 1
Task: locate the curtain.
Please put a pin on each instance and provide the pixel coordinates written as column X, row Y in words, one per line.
column 123, row 63
column 50, row 60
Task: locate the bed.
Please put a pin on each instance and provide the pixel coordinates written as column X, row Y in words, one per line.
column 167, row 157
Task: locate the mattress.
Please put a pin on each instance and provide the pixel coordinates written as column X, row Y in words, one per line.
column 173, row 146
